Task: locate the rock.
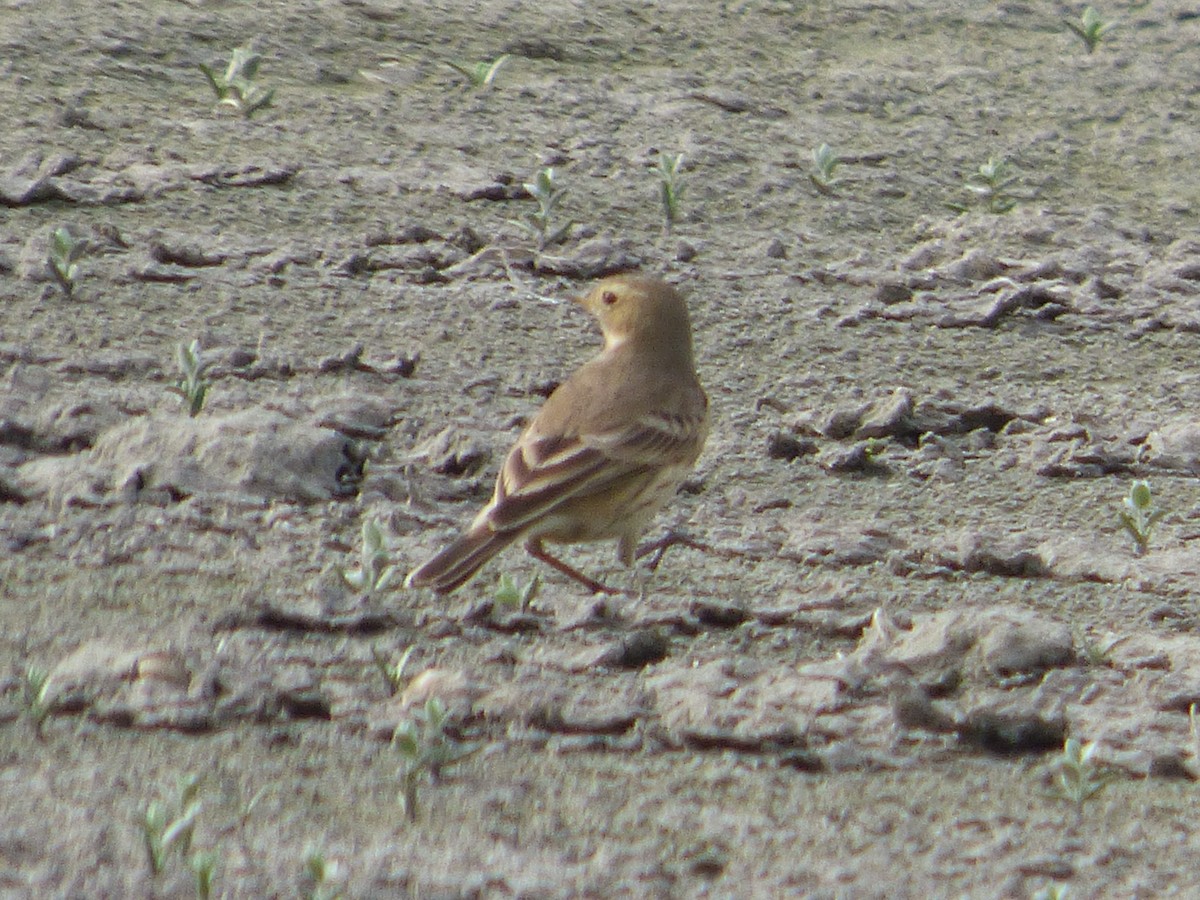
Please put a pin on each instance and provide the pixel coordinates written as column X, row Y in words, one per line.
column 186, row 251
column 890, row 292
column 715, row 614
column 1078, row 454
column 737, row 704
column 781, row 445
column 128, row 686
column 608, row 707
column 1012, row 732
column 862, row 457
column 1172, row 765
column 642, row 648
column 254, row 453
column 409, row 234
column 452, row 451
column 976, row 265
column 1175, row 446
column 914, row 710
column 29, row 423
column 1026, row 647
column 365, row 418
column 1005, row 555
column 888, row 418
column 347, row 361
column 842, row 423
column 997, row 642
column 594, row 258
column 842, row 543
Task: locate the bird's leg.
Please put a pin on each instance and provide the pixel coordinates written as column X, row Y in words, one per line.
column 669, row 540
column 535, row 549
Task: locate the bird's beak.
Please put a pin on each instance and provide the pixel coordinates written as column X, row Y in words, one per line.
column 582, row 301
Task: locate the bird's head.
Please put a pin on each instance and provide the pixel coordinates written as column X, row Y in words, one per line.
column 641, row 311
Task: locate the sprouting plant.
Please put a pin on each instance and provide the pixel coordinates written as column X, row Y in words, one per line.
column 33, row 697
column 545, row 190
column 375, row 571
column 192, row 388
column 1079, row 776
column 825, row 163
column 235, row 86
column 204, row 866
column 873, row 450
column 990, row 183
column 510, row 595
column 1094, row 651
column 249, row 807
column 1090, row 28
column 165, row 827
column 670, row 187
column 426, row 749
column 393, row 673
column 1194, row 729
column 323, row 874
column 1053, row 892
column 1139, row 515
column 482, row 73
column 61, row 260
column 243, row 820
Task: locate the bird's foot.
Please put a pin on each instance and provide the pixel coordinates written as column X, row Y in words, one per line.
column 538, row 552
column 673, row 538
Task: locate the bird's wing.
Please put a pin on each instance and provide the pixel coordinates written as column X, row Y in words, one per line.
column 543, row 471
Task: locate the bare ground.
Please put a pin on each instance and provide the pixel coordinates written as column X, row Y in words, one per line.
column 925, row 422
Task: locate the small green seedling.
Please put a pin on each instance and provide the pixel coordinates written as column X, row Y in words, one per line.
column 1079, row 776
column 204, row 867
column 323, row 875
column 1139, row 515
column 510, row 595
column 545, row 190
column 164, row 828
column 375, row 571
column 990, row 183
column 33, row 698
column 192, row 388
column 393, row 673
column 825, row 164
column 249, row 807
column 1090, row 28
column 670, row 187
column 1095, row 651
column 426, row 749
column 245, row 813
column 61, row 260
column 482, row 73
column 235, row 87
column 873, row 450
column 1053, row 892
column 1194, row 728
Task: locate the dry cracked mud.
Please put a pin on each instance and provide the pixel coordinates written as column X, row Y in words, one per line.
column 926, row 416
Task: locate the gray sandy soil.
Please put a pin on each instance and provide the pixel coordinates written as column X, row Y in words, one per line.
column 925, row 420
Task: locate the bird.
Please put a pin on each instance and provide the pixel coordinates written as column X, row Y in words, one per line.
column 607, row 450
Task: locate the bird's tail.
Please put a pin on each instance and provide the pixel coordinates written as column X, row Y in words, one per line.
column 456, row 564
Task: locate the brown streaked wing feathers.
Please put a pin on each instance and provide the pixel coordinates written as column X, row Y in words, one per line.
column 542, row 472
column 534, row 481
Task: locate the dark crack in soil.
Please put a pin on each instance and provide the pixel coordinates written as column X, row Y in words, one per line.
column 926, row 417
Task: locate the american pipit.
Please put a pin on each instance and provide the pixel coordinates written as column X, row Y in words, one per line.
column 606, row 451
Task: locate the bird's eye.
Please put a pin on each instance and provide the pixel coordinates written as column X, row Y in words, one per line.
column 608, row 298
